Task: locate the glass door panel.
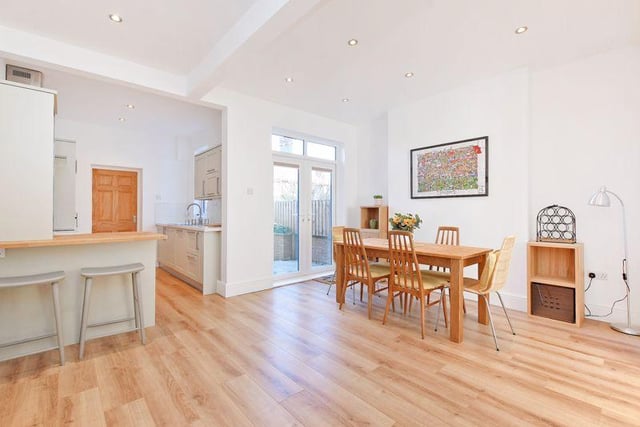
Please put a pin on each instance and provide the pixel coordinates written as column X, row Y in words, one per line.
column 286, row 209
column 321, row 217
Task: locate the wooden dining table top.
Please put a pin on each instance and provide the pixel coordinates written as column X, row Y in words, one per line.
column 432, row 249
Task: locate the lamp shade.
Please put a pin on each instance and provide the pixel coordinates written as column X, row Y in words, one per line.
column 600, row 198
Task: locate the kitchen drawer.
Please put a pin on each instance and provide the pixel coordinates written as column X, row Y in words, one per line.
column 193, row 241
column 193, row 266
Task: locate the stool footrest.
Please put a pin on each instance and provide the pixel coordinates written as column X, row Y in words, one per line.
column 41, row 337
column 110, row 322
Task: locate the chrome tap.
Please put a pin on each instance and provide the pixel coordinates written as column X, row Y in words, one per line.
column 197, row 221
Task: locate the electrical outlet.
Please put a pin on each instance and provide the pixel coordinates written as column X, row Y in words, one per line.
column 2, row 253
column 600, row 275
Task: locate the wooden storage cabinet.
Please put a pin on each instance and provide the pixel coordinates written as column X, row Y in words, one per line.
column 207, row 173
column 378, row 213
column 555, row 281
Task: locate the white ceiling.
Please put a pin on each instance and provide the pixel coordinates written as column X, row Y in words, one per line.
column 446, row 43
column 102, row 103
column 168, row 35
column 187, row 48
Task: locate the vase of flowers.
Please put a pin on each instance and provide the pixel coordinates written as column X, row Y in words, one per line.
column 405, row 222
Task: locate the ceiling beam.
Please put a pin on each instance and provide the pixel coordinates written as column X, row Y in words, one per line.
column 28, row 47
column 262, row 23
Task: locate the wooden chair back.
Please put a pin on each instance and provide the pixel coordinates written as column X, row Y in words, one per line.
column 446, row 235
column 494, row 276
column 355, row 256
column 405, row 270
column 336, row 237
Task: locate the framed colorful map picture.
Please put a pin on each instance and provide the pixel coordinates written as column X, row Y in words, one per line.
column 455, row 169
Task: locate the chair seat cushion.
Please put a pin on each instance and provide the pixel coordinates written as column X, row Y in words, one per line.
column 433, row 279
column 379, row 270
column 429, row 282
column 440, row 275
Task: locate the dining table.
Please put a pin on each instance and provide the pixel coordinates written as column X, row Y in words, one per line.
column 453, row 257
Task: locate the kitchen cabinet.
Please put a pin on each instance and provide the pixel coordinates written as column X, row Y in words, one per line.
column 191, row 253
column 26, row 162
column 207, row 174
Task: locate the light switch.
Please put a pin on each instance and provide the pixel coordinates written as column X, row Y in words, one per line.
column 250, row 191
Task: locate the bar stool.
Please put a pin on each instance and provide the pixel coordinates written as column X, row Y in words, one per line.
column 40, row 279
column 89, row 274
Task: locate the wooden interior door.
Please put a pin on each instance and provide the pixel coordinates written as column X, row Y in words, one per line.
column 115, row 201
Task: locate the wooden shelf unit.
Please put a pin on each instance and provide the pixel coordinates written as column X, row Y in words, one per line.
column 555, row 281
column 379, row 213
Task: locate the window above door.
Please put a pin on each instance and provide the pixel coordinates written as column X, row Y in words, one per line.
column 302, row 147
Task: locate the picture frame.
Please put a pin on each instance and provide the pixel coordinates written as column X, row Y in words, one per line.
column 453, row 169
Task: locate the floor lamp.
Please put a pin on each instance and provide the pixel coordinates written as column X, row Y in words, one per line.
column 601, row 198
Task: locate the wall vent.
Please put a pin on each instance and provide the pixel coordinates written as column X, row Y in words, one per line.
column 24, row 75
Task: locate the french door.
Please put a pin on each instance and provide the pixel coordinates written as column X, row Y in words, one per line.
column 304, row 207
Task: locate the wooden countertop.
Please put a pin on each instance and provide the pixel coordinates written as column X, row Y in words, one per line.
column 85, row 239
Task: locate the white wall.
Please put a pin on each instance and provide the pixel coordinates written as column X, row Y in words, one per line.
column 555, row 136
column 498, row 108
column 247, row 205
column 586, row 133
column 165, row 162
column 372, row 156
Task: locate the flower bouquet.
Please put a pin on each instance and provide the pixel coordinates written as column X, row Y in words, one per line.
column 405, row 222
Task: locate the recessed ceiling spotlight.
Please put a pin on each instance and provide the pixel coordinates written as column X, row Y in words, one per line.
column 121, row 119
column 408, row 75
column 352, row 42
column 345, row 99
column 289, row 80
column 130, row 106
column 115, row 17
column 521, row 30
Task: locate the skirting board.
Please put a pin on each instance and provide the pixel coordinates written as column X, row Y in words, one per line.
column 228, row 290
column 233, row 289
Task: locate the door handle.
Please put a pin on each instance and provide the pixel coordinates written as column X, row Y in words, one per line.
column 135, row 219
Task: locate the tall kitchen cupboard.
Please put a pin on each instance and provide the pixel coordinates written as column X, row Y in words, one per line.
column 26, row 162
column 208, row 174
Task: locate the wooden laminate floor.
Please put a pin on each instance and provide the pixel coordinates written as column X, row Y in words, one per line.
column 289, row 357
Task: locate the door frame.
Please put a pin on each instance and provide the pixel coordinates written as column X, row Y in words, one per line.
column 305, row 166
column 138, row 172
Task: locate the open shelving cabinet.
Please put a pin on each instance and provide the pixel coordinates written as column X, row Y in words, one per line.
column 555, row 281
column 380, row 214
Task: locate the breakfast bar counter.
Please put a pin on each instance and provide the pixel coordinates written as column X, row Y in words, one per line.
column 84, row 239
column 26, row 312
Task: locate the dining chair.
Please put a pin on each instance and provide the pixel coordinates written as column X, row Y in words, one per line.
column 407, row 278
column 493, row 278
column 336, row 237
column 446, row 235
column 359, row 270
